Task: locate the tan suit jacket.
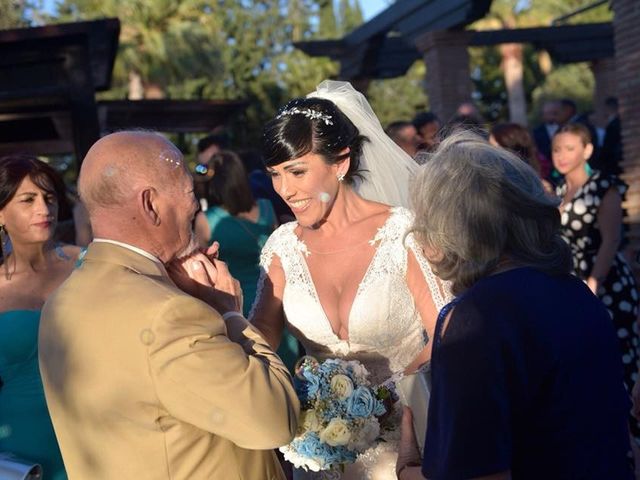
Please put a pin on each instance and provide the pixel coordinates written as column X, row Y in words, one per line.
column 146, row 382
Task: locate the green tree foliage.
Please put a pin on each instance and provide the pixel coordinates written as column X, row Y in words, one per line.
column 19, row 13
column 174, row 47
column 399, row 98
column 350, row 15
column 571, row 81
column 540, row 81
column 228, row 49
column 490, row 92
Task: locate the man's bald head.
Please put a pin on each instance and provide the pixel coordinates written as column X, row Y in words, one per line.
column 121, row 163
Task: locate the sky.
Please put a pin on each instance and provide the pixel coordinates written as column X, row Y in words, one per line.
column 370, row 8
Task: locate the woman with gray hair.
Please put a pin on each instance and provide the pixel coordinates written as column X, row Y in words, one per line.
column 526, row 376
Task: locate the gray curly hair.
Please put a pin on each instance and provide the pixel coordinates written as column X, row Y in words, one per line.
column 477, row 206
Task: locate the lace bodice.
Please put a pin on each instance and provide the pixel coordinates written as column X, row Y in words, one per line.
column 385, row 329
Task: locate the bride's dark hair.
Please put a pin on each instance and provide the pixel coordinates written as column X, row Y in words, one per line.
column 312, row 125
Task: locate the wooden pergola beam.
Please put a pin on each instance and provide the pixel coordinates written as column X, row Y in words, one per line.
column 392, row 56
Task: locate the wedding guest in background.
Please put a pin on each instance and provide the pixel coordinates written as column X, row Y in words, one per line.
column 527, row 381
column 516, row 139
column 149, row 374
column 33, row 266
column 569, row 114
column 467, row 117
column 428, row 126
column 568, row 111
column 241, row 225
column 405, row 135
column 210, row 145
column 206, row 148
column 591, row 212
column 543, row 133
column 261, row 186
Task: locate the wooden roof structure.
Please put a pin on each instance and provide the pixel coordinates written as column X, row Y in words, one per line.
column 48, row 79
column 378, row 48
column 385, row 46
column 178, row 116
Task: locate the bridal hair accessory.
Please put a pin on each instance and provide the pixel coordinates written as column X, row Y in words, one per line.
column 387, row 169
column 307, row 112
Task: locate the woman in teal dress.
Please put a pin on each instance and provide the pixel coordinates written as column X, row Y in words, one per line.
column 33, row 265
column 241, row 225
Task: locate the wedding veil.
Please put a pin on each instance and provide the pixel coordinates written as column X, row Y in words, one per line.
column 388, row 169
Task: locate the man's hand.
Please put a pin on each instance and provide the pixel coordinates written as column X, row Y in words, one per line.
column 207, row 278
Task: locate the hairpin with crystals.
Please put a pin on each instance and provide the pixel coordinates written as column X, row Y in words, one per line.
column 307, row 112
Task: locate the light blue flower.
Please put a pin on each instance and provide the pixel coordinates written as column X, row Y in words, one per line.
column 312, row 384
column 361, row 403
column 379, row 409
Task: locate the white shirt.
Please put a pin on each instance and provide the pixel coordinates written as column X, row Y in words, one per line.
column 130, row 247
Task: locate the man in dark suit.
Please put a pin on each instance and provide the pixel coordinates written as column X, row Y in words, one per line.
column 543, row 133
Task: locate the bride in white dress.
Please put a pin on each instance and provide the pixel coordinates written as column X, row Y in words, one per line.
column 346, row 278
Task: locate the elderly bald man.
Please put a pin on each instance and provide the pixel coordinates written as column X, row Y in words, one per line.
column 144, row 380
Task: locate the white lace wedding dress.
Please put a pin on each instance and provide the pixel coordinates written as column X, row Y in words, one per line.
column 385, row 329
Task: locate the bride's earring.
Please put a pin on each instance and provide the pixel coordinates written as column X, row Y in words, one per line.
column 4, row 244
column 341, row 177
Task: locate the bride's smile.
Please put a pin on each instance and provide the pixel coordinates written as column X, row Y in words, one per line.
column 309, row 185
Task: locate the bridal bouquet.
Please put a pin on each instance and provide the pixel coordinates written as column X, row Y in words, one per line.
column 340, row 414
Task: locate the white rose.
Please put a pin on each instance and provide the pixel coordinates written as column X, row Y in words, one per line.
column 337, row 433
column 310, row 421
column 342, row 386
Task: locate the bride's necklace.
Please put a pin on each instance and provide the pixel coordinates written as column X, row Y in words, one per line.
column 340, row 250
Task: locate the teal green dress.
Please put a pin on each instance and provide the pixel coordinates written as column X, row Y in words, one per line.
column 241, row 242
column 25, row 425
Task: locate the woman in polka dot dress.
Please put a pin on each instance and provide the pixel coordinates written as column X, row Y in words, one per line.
column 591, row 212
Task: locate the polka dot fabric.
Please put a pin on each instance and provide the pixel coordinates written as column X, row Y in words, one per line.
column 618, row 292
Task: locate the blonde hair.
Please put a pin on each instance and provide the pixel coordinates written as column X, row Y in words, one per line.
column 477, row 205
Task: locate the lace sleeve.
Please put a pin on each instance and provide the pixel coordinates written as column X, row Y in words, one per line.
column 266, row 256
column 276, row 245
column 440, row 290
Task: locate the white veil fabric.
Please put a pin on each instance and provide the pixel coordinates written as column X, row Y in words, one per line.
column 388, row 170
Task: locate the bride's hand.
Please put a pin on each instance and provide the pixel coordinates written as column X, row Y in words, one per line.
column 207, row 279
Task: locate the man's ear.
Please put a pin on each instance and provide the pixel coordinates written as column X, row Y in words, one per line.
column 149, row 205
